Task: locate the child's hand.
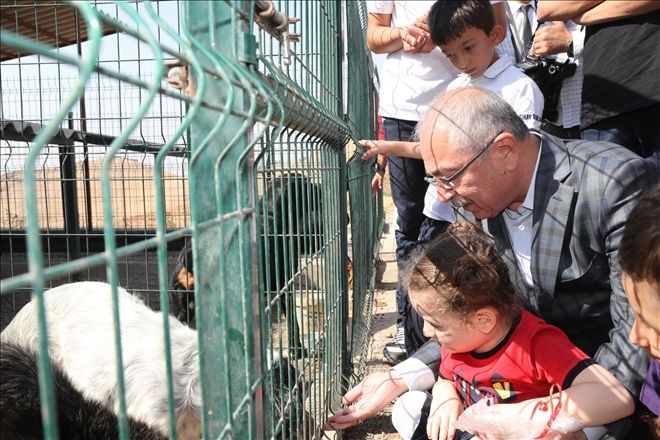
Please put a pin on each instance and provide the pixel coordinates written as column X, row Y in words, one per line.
column 423, row 24
column 421, row 40
column 372, row 147
column 444, row 413
column 376, row 184
column 366, row 399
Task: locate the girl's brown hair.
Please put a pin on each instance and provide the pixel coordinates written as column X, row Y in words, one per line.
column 466, row 273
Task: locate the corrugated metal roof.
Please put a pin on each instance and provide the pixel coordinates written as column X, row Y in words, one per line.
column 49, row 22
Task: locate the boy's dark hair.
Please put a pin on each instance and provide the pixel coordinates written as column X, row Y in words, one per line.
column 449, row 19
column 639, row 253
column 466, row 273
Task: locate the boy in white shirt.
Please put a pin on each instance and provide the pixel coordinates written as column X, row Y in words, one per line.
column 467, row 34
column 414, row 71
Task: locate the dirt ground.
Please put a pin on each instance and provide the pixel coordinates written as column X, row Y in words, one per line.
column 383, row 328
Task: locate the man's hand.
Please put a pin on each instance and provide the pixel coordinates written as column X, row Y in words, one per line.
column 557, row 435
column 366, row 399
column 551, row 435
column 551, row 39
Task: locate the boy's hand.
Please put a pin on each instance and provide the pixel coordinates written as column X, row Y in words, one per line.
column 376, row 184
column 442, row 417
column 372, row 147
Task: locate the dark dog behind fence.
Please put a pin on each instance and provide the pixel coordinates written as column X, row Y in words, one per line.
column 291, row 226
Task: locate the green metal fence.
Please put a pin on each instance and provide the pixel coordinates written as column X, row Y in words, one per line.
column 132, row 128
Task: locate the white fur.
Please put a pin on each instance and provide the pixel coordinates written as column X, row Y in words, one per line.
column 81, row 343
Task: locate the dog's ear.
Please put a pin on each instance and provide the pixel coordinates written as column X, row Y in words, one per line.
column 188, row 262
column 189, row 426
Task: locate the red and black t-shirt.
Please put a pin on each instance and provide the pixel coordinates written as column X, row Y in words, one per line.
column 532, row 357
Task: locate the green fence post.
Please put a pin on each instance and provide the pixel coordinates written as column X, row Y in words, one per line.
column 218, row 225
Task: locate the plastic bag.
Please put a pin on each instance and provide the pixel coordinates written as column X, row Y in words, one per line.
column 481, row 418
column 491, row 420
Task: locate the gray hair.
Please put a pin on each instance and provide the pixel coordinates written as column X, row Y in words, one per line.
column 472, row 117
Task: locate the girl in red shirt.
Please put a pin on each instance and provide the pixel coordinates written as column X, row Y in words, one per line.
column 493, row 349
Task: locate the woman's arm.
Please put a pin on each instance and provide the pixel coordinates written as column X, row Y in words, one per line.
column 611, row 10
column 562, row 10
column 594, row 398
column 381, row 37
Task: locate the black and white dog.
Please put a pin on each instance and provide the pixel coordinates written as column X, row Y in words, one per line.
column 81, row 345
column 81, row 348
column 78, row 418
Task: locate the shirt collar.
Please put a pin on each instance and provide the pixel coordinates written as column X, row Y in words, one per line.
column 515, row 6
column 528, row 204
column 529, row 198
column 497, row 67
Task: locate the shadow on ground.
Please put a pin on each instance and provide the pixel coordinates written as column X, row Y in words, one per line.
column 378, row 424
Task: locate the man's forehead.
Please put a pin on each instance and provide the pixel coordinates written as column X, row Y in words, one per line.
column 433, row 146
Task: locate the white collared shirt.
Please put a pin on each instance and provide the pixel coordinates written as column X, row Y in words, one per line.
column 506, row 47
column 516, row 88
column 519, row 224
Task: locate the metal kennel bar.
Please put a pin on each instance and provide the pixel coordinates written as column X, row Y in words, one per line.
column 132, row 128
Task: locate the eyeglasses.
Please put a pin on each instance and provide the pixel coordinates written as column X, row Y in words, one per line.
column 447, row 182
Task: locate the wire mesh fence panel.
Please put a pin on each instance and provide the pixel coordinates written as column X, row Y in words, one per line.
column 366, row 208
column 192, row 155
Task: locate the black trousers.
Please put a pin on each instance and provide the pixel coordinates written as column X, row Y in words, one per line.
column 408, row 190
column 420, row 432
column 413, row 324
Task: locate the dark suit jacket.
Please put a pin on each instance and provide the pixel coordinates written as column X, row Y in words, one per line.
column 583, row 194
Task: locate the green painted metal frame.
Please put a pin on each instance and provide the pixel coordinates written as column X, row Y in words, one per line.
column 252, row 121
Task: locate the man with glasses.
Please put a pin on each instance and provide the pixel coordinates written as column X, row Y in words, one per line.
column 448, row 182
column 555, row 209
